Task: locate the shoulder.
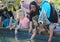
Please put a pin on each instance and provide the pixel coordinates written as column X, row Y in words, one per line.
column 46, row 5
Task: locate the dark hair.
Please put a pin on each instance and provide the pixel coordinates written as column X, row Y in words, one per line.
column 35, row 4
column 5, row 9
column 32, row 13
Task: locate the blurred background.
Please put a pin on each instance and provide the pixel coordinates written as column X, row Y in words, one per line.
column 17, row 2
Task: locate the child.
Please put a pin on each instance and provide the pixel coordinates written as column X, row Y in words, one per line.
column 7, row 18
column 23, row 21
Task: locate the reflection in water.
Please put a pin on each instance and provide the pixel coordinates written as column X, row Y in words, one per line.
column 4, row 39
column 17, row 40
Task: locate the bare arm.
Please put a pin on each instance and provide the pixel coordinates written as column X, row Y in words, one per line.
column 10, row 21
column 30, row 25
column 18, row 26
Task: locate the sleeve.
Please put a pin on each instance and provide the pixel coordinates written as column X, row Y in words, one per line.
column 40, row 16
column 47, row 7
column 13, row 21
column 43, row 18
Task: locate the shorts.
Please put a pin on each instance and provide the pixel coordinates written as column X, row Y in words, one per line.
column 24, row 28
column 53, row 25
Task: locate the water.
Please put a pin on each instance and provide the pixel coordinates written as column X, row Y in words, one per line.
column 21, row 38
column 7, row 38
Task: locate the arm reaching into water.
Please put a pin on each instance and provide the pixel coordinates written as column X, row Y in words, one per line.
column 30, row 25
column 18, row 26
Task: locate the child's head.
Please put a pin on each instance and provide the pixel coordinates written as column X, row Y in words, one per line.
column 21, row 13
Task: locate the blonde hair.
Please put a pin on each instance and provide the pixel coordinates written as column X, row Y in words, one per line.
column 21, row 10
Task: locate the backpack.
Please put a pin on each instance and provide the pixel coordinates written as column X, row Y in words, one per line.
column 53, row 14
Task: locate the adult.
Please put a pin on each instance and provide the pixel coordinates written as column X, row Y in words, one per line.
column 34, row 11
column 46, row 6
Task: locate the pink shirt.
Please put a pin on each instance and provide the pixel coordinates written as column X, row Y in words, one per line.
column 24, row 22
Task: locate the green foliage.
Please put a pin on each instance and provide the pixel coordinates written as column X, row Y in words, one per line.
column 56, row 2
column 17, row 2
column 13, row 4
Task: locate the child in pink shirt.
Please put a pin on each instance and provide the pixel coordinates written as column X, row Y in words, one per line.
column 24, row 21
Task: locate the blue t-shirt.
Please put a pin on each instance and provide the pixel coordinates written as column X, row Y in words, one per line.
column 6, row 22
column 46, row 6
